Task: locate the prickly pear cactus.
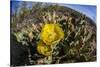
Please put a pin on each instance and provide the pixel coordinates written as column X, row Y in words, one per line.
column 55, row 35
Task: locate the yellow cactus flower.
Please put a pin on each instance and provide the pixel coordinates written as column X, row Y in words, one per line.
column 51, row 34
column 44, row 49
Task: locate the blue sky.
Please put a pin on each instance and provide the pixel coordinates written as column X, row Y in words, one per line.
column 88, row 10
